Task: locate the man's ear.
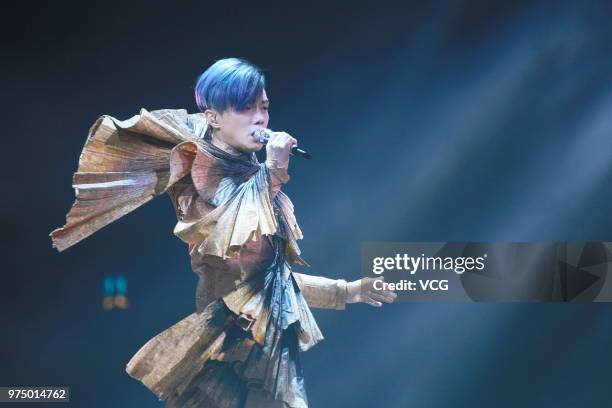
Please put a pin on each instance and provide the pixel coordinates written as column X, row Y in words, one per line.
column 212, row 118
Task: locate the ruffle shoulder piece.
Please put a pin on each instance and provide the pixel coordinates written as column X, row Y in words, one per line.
column 123, row 165
column 243, row 210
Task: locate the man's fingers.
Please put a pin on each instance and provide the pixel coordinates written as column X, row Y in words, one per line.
column 288, row 140
column 388, row 293
column 372, row 302
column 284, row 138
column 370, row 281
column 381, row 297
column 280, row 139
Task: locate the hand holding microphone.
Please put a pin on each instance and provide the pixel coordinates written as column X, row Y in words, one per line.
column 279, row 145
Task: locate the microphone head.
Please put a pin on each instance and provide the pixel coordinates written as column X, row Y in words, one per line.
column 263, row 135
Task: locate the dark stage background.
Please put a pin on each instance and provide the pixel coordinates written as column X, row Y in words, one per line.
column 435, row 121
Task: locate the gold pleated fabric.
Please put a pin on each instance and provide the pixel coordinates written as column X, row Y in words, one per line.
column 124, row 164
column 250, row 338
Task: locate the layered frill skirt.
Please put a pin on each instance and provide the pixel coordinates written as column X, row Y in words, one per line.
column 248, row 341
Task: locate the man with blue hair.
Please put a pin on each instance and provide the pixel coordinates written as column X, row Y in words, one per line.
column 241, row 346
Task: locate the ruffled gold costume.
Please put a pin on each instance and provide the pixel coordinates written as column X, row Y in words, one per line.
column 242, row 344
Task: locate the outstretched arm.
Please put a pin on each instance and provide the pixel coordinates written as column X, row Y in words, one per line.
column 325, row 293
column 362, row 291
column 319, row 292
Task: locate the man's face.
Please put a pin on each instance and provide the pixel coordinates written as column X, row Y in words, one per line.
column 236, row 128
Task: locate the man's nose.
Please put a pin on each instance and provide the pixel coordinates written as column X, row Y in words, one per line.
column 260, row 118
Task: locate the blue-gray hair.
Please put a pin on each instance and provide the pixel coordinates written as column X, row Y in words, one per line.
column 229, row 83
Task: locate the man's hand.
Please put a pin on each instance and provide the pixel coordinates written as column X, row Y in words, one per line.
column 278, row 150
column 362, row 290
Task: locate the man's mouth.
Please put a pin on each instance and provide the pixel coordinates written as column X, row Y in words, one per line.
column 256, row 137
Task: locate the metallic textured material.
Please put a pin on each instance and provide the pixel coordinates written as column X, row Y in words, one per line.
column 252, row 313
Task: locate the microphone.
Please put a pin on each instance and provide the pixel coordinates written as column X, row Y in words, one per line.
column 265, row 134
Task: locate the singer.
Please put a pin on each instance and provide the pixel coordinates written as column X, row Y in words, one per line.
column 241, row 346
